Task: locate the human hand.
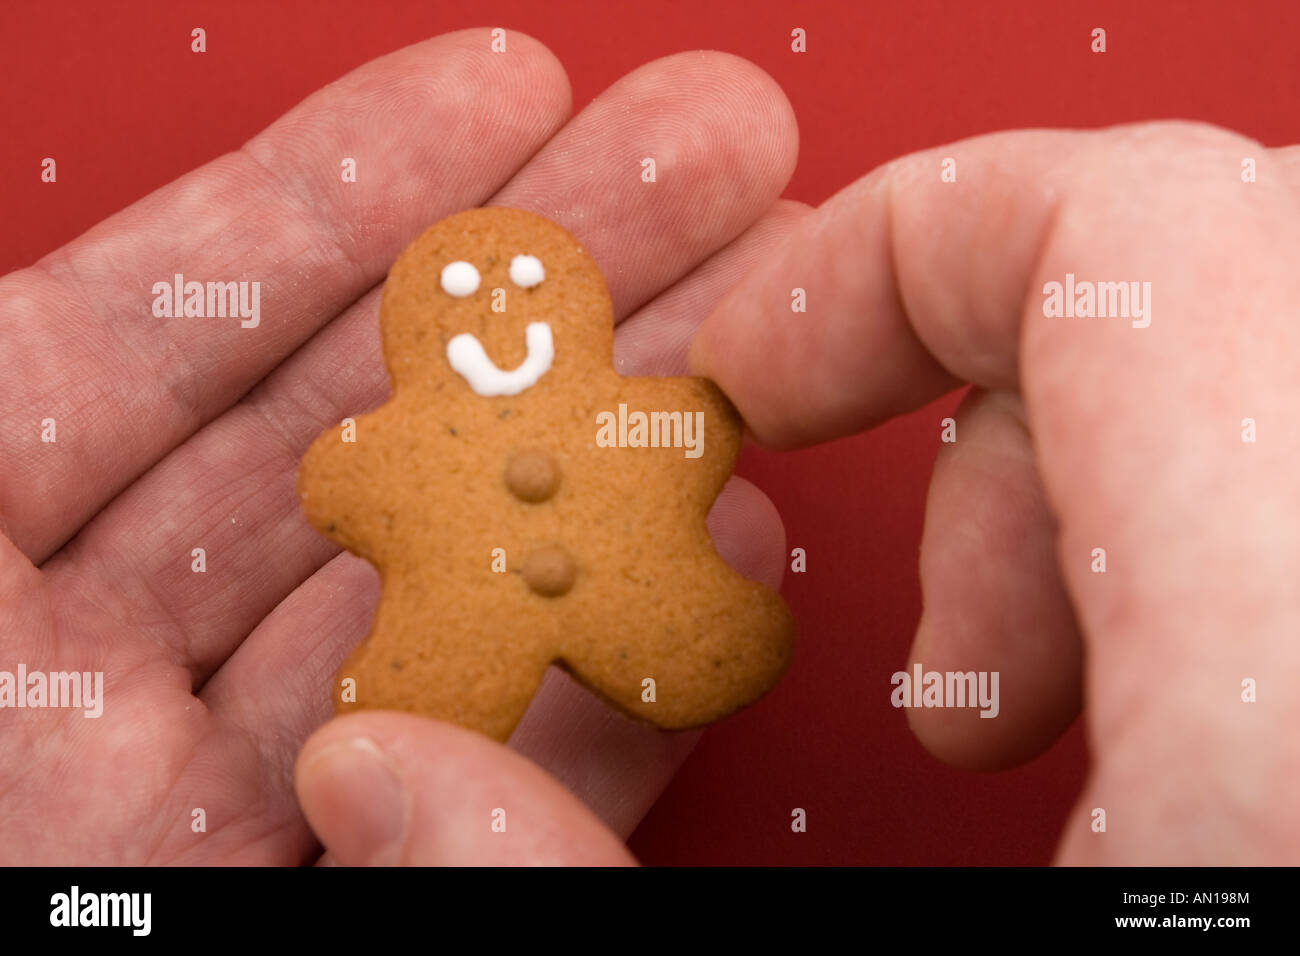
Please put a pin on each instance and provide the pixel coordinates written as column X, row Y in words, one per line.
column 1127, row 434
column 176, row 434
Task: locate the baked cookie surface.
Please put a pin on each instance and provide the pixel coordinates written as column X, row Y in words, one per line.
column 525, row 505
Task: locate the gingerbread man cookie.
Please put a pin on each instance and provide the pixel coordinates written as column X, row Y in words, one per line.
column 525, row 505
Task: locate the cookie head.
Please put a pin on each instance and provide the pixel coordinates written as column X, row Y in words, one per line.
column 497, row 301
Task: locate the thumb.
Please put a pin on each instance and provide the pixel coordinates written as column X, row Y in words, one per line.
column 387, row 789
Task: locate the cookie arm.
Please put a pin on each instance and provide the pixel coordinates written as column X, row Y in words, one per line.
column 714, row 436
column 331, row 485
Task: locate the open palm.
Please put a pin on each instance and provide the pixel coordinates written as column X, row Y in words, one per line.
column 185, row 433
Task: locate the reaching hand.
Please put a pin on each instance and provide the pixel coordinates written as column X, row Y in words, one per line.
column 1116, row 521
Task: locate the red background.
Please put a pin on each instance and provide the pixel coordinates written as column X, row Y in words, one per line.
column 113, row 91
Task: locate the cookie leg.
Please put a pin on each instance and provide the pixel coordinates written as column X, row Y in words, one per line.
column 427, row 659
column 685, row 661
column 336, row 497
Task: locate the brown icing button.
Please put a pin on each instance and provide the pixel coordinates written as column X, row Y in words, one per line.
column 549, row 571
column 532, row 475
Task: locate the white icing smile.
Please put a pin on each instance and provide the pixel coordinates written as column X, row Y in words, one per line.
column 466, row 355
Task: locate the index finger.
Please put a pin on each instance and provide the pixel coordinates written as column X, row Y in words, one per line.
column 924, row 274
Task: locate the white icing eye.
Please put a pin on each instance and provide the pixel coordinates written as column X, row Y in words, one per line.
column 459, row 279
column 526, row 271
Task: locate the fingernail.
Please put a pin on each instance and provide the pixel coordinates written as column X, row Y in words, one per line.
column 354, row 796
